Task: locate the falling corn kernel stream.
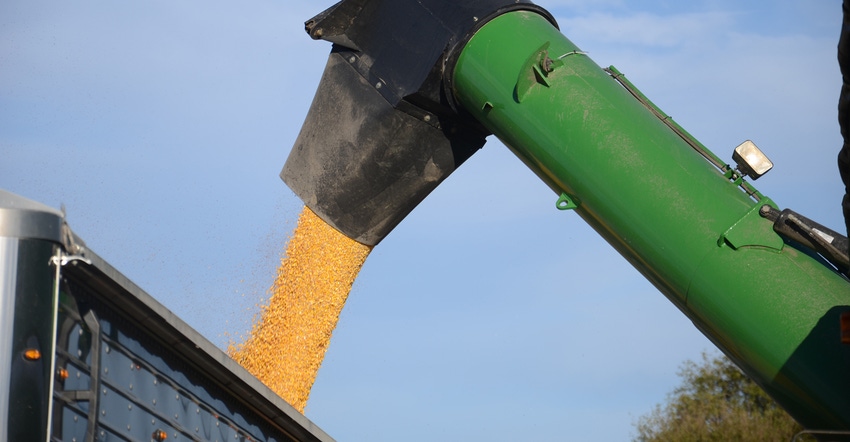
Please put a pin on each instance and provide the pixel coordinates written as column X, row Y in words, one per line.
column 288, row 342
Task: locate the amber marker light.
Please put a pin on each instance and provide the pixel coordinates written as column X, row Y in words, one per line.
column 32, row 354
column 159, row 435
column 62, row 374
column 845, row 328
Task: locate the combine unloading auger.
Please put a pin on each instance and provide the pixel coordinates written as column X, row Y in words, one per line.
column 411, row 90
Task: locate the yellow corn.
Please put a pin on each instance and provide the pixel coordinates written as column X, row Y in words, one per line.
column 288, row 342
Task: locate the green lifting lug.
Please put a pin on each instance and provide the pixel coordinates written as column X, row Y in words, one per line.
column 566, row 202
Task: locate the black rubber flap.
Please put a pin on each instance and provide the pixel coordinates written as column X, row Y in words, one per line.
column 362, row 165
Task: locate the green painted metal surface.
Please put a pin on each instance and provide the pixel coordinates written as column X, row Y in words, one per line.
column 683, row 224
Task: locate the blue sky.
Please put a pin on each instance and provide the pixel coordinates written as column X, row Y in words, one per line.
column 487, row 314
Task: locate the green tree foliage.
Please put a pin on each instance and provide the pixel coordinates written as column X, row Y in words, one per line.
column 716, row 402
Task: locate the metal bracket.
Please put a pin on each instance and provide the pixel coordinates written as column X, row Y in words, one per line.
column 752, row 230
column 62, row 259
column 535, row 70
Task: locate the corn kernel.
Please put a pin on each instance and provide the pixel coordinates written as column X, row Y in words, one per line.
column 287, row 344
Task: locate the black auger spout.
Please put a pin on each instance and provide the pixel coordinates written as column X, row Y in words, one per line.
column 382, row 131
